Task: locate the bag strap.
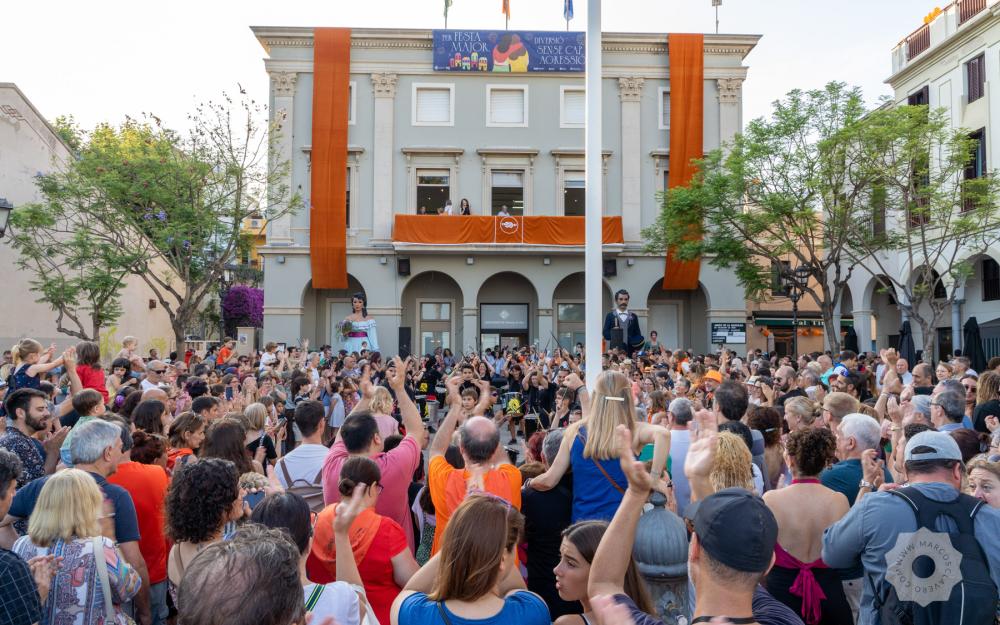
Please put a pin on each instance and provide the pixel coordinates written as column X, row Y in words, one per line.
column 601, row 468
column 962, row 509
column 284, row 471
column 314, row 596
column 444, row 615
column 101, row 564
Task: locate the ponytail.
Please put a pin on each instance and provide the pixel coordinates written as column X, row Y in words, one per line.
column 24, row 348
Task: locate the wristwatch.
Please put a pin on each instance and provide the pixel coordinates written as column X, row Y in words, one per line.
column 866, row 484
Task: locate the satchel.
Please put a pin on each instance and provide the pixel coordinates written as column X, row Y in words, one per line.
column 311, row 492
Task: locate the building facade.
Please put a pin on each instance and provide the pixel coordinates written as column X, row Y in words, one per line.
column 419, row 137
column 951, row 62
column 30, row 147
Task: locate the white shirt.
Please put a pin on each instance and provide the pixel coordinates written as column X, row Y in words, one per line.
column 147, row 385
column 339, row 600
column 303, row 463
column 623, row 316
column 448, row 209
column 267, row 359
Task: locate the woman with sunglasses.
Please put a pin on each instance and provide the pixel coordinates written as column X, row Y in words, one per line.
column 384, row 559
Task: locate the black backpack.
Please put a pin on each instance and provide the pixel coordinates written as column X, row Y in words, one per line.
column 935, row 577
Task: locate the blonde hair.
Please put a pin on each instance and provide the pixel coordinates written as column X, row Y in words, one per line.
column 804, row 408
column 982, row 462
column 381, row 401
column 255, row 415
column 129, row 340
column 840, row 404
column 24, row 348
column 68, row 507
column 733, row 460
column 988, row 387
column 611, row 406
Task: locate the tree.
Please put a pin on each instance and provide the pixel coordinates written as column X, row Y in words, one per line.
column 938, row 206
column 171, row 204
column 786, row 191
column 243, row 306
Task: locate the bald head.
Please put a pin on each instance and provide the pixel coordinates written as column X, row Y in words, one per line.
column 479, row 439
column 787, row 376
column 155, row 393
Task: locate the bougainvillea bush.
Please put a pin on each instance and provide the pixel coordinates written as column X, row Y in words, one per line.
column 243, row 306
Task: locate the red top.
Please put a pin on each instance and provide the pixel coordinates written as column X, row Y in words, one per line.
column 147, row 484
column 224, row 355
column 93, row 378
column 375, row 569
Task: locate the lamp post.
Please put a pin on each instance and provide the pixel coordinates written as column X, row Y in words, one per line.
column 796, row 282
column 5, row 208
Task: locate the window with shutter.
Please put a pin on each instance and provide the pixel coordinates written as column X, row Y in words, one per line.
column 433, row 106
column 574, row 106
column 976, row 77
column 508, row 106
column 664, row 106
column 574, row 194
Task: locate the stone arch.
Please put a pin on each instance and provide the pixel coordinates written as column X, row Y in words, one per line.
column 568, row 300
column 514, row 289
column 322, row 308
column 679, row 317
column 434, row 325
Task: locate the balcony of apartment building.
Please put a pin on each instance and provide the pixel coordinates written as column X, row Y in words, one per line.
column 940, row 26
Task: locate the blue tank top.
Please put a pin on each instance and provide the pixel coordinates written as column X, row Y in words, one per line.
column 21, row 379
column 595, row 497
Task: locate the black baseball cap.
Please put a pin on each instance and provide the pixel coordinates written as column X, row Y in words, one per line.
column 735, row 528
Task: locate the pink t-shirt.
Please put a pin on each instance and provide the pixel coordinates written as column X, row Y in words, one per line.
column 387, row 426
column 397, row 467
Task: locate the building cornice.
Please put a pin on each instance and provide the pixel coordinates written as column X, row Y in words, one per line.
column 421, row 39
column 952, row 45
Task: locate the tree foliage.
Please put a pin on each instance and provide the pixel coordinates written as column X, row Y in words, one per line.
column 786, row 189
column 243, row 306
column 164, row 206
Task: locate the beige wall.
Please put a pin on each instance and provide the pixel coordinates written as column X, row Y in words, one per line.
column 30, row 147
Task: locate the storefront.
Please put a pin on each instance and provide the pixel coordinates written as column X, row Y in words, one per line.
column 503, row 325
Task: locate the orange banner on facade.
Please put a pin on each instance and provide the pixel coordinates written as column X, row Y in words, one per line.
column 328, row 206
column 687, row 113
column 460, row 230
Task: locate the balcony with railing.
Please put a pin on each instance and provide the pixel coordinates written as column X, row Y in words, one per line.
column 939, row 26
column 436, row 233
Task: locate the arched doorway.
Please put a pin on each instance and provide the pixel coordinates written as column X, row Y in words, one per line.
column 432, row 310
column 885, row 311
column 322, row 309
column 568, row 309
column 508, row 311
column 678, row 317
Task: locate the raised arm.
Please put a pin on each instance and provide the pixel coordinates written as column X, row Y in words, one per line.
column 367, row 390
column 396, row 376
column 485, row 399
column 607, row 571
column 558, row 468
column 659, row 436
column 443, row 437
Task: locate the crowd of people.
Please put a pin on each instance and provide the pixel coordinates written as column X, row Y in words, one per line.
column 493, row 487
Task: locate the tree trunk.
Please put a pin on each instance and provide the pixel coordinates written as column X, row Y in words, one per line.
column 832, row 333
column 178, row 338
column 929, row 336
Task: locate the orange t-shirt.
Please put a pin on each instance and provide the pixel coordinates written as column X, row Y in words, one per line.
column 147, row 484
column 224, row 355
column 448, row 490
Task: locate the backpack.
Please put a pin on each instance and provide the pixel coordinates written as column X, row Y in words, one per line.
column 312, row 493
column 935, row 577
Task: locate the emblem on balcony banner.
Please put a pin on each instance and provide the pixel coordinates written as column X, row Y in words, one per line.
column 508, row 226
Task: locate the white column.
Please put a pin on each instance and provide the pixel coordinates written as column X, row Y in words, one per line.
column 279, row 231
column 730, row 112
column 863, row 328
column 593, row 279
column 384, row 88
column 470, row 329
column 630, row 92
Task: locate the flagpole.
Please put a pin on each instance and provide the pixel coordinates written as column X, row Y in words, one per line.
column 593, row 278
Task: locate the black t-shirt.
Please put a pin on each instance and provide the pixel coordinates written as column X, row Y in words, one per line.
column 546, row 515
column 430, row 379
column 269, row 451
column 790, row 394
column 542, row 399
column 992, row 407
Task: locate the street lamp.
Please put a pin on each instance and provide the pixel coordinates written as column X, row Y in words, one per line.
column 796, row 282
column 5, row 208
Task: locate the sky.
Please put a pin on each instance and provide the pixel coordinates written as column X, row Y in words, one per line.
column 105, row 60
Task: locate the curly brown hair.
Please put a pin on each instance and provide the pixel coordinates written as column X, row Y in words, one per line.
column 199, row 498
column 813, row 450
column 767, row 421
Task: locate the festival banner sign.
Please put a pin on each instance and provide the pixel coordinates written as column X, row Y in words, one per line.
column 511, row 51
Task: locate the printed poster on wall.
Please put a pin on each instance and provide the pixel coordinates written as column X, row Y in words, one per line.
column 508, row 51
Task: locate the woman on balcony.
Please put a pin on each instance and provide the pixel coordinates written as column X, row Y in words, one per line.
column 358, row 328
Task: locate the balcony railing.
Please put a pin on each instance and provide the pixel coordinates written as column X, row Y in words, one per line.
column 917, row 42
column 967, row 9
column 479, row 230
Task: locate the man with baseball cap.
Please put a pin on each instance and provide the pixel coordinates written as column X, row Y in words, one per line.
column 731, row 549
column 886, row 523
